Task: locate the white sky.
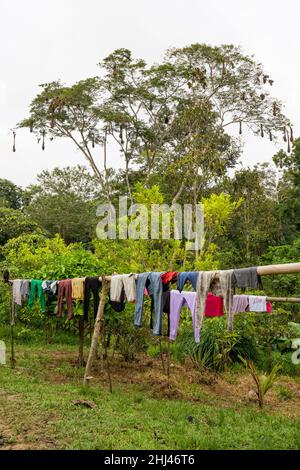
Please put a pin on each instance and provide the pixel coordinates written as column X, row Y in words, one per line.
column 43, row 40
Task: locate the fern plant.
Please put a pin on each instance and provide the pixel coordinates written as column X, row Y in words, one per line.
column 263, row 382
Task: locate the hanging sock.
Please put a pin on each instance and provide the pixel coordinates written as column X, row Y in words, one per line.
column 270, row 135
column 291, row 134
column 262, row 131
column 31, row 126
column 241, row 130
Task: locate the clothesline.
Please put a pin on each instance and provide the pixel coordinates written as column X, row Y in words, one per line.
column 131, row 287
column 290, row 268
column 205, row 280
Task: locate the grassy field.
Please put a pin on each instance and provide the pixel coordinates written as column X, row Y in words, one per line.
column 145, row 411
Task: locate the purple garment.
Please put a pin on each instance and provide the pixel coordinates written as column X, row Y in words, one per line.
column 177, row 301
column 240, row 303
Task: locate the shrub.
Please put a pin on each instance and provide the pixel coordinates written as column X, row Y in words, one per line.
column 218, row 348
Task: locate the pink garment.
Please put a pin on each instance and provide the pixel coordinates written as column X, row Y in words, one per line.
column 269, row 307
column 177, row 301
column 214, row 306
column 240, row 303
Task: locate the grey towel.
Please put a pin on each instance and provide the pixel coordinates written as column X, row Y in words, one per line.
column 25, row 288
column 246, row 277
column 226, row 280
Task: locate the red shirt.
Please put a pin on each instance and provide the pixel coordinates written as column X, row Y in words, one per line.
column 213, row 306
column 169, row 276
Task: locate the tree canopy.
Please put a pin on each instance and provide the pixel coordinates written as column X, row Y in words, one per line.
column 171, row 117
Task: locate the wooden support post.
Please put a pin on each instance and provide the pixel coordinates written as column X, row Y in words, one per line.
column 12, row 339
column 168, row 364
column 97, row 331
column 81, row 341
column 108, row 366
column 162, row 355
column 12, row 325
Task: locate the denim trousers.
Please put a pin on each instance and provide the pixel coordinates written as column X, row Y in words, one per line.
column 154, row 286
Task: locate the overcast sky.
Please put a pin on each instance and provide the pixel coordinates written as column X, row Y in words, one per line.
column 43, row 40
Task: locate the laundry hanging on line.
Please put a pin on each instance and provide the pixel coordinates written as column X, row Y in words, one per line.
column 251, row 303
column 213, row 294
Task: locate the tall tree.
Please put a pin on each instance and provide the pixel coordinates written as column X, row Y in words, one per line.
column 10, row 194
column 64, row 201
column 254, row 226
column 15, row 223
column 172, row 115
column 288, row 209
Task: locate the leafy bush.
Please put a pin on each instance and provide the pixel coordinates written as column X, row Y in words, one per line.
column 128, row 340
column 218, row 348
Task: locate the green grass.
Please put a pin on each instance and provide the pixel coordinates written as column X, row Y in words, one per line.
column 37, row 412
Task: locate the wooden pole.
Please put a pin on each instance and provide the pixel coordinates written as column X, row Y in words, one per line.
column 287, row 268
column 12, row 324
column 12, row 339
column 168, row 364
column 293, row 300
column 108, row 368
column 97, row 331
column 81, row 341
column 290, row 268
column 162, row 355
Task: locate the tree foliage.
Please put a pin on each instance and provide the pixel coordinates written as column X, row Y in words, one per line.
column 64, row 201
column 172, row 115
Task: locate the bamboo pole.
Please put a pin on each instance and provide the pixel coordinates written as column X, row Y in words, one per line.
column 292, row 300
column 289, row 268
column 97, row 331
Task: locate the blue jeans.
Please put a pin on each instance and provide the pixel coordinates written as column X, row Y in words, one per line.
column 155, row 288
column 187, row 276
